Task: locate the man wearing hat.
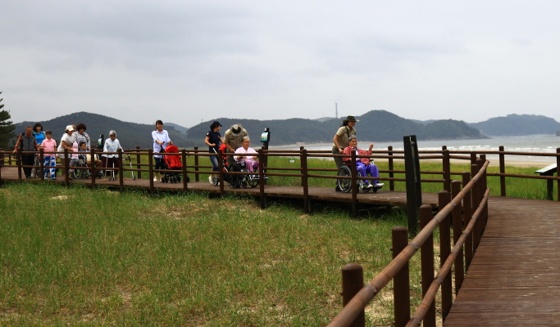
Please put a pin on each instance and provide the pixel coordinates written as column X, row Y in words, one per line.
column 340, row 139
column 66, row 142
column 213, row 139
column 233, row 139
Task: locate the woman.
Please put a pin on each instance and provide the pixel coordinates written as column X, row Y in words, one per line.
column 109, row 157
column 40, row 136
column 247, row 155
column 213, row 139
column 340, row 139
column 39, row 133
column 66, row 142
column 161, row 141
column 363, row 165
column 82, row 136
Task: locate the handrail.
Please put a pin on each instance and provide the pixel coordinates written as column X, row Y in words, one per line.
column 390, row 175
column 355, row 306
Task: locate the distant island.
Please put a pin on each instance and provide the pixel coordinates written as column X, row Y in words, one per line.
column 375, row 125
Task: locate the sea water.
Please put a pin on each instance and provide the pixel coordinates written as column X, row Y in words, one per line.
column 529, row 143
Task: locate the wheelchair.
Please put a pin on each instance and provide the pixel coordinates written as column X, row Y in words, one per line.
column 238, row 180
column 344, row 181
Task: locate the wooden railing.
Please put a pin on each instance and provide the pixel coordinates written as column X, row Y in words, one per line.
column 465, row 211
column 141, row 163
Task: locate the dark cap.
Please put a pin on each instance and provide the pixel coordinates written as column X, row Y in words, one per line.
column 215, row 124
column 351, row 118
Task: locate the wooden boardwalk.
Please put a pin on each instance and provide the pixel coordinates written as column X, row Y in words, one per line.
column 318, row 194
column 513, row 279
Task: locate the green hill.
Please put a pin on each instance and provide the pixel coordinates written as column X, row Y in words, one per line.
column 516, row 125
column 129, row 134
column 375, row 125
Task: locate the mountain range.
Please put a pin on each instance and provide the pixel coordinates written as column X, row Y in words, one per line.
column 375, row 125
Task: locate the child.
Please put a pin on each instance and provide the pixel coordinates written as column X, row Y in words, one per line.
column 49, row 160
column 74, row 158
column 86, row 156
column 363, row 165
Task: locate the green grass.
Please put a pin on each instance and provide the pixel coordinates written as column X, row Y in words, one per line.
column 86, row 257
column 82, row 257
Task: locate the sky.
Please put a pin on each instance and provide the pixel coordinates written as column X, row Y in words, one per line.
column 190, row 61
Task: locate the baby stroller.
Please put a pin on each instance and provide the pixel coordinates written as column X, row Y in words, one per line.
column 172, row 160
column 79, row 167
column 236, row 180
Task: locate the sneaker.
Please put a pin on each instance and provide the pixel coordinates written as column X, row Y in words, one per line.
column 379, row 185
column 210, row 180
column 369, row 186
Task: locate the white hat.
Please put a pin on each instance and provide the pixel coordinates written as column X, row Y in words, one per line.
column 69, row 128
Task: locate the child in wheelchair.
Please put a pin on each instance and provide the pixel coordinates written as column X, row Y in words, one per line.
column 364, row 165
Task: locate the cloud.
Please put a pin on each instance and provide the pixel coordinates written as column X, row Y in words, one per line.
column 193, row 61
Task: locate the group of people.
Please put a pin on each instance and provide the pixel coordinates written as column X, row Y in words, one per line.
column 75, row 140
column 235, row 140
column 345, row 142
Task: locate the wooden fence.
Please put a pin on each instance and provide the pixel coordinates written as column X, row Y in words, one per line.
column 465, row 211
column 140, row 163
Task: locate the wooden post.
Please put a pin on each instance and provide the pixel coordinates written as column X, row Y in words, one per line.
column 557, row 174
column 262, row 180
column 401, row 281
column 467, row 213
column 444, row 197
column 184, row 169
column 427, row 264
column 304, row 180
column 502, row 171
column 138, row 161
column 352, row 283
column 446, row 169
column 151, row 169
column 354, row 183
column 196, row 163
column 413, row 179
column 457, row 232
column 391, row 168
column 121, row 169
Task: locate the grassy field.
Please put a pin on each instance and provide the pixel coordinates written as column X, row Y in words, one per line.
column 86, row 257
column 81, row 257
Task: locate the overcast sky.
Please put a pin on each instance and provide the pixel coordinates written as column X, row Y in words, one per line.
column 189, row 61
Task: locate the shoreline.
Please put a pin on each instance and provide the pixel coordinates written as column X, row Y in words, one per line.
column 523, row 161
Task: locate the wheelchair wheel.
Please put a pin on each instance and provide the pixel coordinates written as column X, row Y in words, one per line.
column 345, row 183
column 253, row 180
column 244, row 178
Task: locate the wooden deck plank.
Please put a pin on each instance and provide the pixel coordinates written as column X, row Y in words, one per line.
column 514, row 277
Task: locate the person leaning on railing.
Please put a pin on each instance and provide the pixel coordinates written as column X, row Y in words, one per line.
column 26, row 142
column 110, row 160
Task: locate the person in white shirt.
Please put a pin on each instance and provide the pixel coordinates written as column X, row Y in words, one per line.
column 161, row 141
column 109, row 157
column 247, row 155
